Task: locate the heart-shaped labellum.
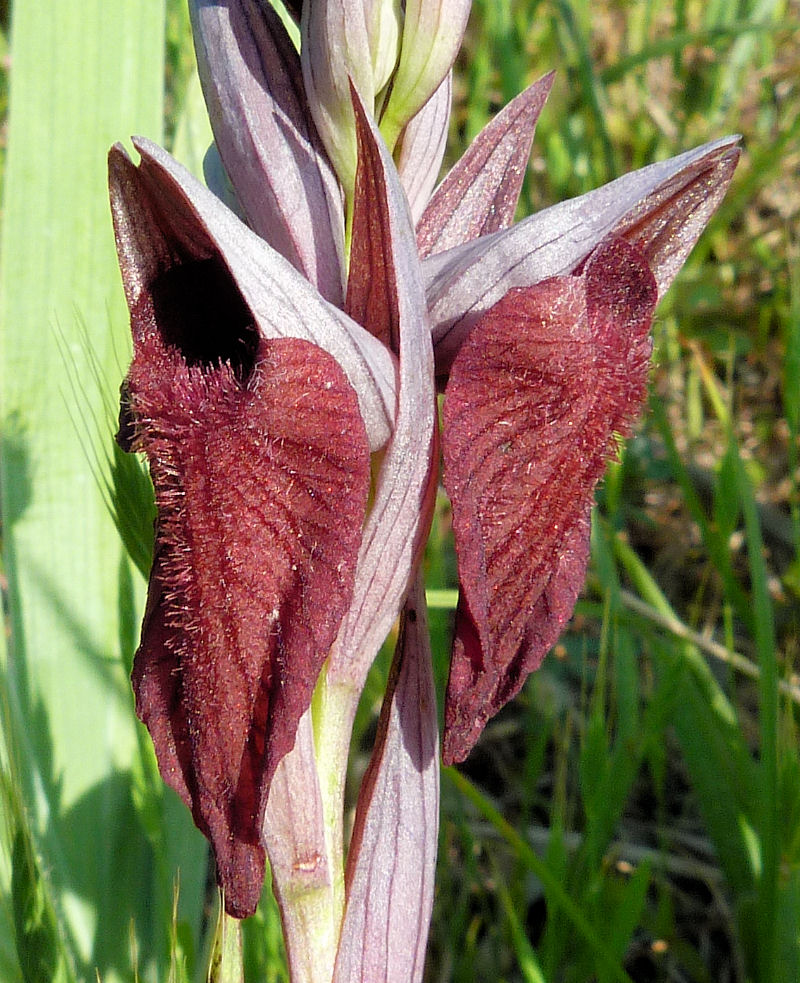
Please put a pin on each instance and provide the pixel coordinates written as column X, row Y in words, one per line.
column 260, row 463
column 535, row 400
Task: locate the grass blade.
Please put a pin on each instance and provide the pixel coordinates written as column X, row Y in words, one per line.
column 85, row 74
column 537, row 866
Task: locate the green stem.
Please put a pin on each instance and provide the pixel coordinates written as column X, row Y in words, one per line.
column 306, row 848
column 333, row 713
column 311, row 933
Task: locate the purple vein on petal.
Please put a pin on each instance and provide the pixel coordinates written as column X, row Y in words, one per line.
column 260, row 465
column 422, row 148
column 662, row 207
column 479, row 194
column 538, row 391
column 392, row 858
column 399, row 519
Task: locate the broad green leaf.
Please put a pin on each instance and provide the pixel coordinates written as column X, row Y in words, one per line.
column 86, row 73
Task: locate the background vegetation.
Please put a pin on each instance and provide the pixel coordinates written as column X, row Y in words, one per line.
column 635, row 814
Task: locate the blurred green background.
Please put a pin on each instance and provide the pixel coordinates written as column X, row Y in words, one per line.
column 635, row 813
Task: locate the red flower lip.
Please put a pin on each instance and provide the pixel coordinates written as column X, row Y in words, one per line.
column 536, row 396
column 261, row 473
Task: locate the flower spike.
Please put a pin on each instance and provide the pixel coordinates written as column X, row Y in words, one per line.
column 287, row 353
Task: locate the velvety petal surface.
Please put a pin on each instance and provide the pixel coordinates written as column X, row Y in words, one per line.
column 260, row 465
column 164, row 217
column 392, row 858
column 662, row 208
column 479, row 195
column 253, row 87
column 535, row 398
column 385, row 294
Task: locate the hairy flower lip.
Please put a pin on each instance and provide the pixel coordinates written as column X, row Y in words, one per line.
column 163, row 215
column 672, row 199
column 275, row 465
column 525, row 443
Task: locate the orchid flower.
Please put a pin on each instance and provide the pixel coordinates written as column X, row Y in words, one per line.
column 287, row 353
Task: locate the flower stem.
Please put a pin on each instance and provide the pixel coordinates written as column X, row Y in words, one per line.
column 333, row 712
column 304, row 832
